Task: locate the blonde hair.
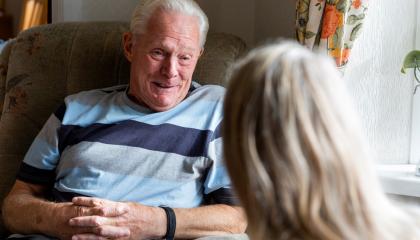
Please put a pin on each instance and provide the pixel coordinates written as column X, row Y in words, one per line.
column 295, row 154
column 146, row 8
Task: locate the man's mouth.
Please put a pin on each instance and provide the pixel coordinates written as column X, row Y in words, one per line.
column 162, row 85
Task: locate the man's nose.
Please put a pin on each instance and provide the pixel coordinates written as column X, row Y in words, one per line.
column 169, row 68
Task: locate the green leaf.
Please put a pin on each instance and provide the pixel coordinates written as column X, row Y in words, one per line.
column 411, row 60
column 355, row 32
column 338, row 37
column 348, row 45
column 342, row 5
column 309, row 34
column 353, row 19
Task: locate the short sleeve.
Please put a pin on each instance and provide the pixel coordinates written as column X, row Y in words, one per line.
column 39, row 163
column 217, row 182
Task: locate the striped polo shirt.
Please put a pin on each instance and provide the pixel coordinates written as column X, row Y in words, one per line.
column 99, row 143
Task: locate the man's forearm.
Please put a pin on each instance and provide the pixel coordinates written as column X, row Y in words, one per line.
column 144, row 222
column 209, row 220
column 24, row 213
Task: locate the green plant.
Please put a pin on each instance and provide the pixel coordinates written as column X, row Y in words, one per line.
column 412, row 60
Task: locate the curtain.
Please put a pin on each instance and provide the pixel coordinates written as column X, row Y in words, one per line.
column 34, row 13
column 331, row 26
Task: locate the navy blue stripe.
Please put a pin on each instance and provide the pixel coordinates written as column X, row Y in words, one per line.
column 34, row 175
column 58, row 196
column 218, row 131
column 222, row 196
column 164, row 138
column 59, row 113
column 120, row 89
column 192, row 88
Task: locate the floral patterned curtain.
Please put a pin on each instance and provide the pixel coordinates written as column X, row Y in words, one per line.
column 330, row 25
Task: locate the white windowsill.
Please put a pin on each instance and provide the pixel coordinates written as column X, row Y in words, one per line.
column 399, row 179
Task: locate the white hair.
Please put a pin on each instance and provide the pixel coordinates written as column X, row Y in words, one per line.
column 146, row 8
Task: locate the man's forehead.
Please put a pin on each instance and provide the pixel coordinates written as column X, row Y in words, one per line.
column 173, row 24
column 166, row 41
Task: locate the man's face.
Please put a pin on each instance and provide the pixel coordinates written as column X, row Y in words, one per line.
column 163, row 59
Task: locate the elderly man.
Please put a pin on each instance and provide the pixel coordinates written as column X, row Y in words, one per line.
column 134, row 162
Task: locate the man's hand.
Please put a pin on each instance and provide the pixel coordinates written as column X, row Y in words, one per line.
column 25, row 211
column 113, row 220
column 61, row 214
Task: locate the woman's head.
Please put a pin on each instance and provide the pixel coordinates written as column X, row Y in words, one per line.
column 293, row 149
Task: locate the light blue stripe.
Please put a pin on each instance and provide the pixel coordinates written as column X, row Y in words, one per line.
column 148, row 191
column 192, row 112
column 217, row 176
column 43, row 153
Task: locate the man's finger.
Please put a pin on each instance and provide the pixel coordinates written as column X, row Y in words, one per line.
column 109, row 231
column 114, row 210
column 86, row 236
column 80, row 211
column 101, row 207
column 87, row 201
column 88, row 221
column 104, row 232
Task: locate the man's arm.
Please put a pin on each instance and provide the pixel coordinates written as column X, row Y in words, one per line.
column 145, row 222
column 26, row 211
column 209, row 220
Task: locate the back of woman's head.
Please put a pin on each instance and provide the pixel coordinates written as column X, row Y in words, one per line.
column 294, row 151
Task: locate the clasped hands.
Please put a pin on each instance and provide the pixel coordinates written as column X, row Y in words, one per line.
column 94, row 218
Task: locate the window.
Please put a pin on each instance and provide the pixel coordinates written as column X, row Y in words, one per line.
column 415, row 122
column 383, row 95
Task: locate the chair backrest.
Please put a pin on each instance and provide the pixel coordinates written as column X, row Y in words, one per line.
column 44, row 64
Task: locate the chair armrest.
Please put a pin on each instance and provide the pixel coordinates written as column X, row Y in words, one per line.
column 4, row 63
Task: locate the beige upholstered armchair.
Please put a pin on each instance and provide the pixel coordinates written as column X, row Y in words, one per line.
column 44, row 64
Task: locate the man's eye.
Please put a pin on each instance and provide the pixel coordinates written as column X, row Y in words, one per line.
column 157, row 53
column 185, row 58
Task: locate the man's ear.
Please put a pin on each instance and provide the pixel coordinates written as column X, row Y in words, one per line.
column 128, row 45
column 201, row 52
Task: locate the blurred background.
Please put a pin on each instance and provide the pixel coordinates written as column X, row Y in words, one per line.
column 18, row 15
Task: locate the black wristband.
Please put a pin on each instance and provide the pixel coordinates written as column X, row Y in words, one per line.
column 171, row 223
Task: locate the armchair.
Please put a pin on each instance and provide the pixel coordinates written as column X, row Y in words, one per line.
column 44, row 64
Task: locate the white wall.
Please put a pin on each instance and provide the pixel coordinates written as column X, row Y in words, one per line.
column 384, row 95
column 252, row 20
column 226, row 16
column 92, row 10
column 274, row 18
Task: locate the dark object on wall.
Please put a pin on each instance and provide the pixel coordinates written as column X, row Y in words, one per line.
column 6, row 27
column 49, row 16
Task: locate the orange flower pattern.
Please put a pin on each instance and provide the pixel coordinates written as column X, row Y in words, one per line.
column 356, row 3
column 330, row 25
